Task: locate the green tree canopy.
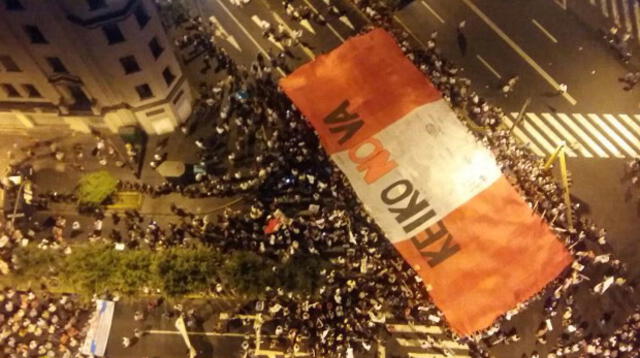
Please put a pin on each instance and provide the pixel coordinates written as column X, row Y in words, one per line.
column 301, row 274
column 182, row 271
column 249, row 273
column 95, row 187
column 178, row 271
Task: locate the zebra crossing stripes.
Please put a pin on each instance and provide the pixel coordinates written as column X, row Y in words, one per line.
column 412, row 339
column 587, row 135
column 624, row 13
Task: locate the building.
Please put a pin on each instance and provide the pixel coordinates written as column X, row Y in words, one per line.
column 77, row 64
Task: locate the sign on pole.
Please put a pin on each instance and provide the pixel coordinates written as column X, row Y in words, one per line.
column 182, row 328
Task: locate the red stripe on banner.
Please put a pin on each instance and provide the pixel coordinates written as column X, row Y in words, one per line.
column 373, row 81
column 505, row 255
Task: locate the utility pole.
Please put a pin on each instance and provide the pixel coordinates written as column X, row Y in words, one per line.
column 520, row 114
column 560, row 156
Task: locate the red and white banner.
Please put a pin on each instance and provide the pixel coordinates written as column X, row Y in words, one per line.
column 435, row 191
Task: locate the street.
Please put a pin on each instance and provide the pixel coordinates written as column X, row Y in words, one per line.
column 540, row 43
column 567, row 90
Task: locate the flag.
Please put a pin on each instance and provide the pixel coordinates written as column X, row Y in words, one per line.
column 436, row 192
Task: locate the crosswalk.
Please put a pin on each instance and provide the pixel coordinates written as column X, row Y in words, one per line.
column 624, row 13
column 587, row 135
column 413, row 340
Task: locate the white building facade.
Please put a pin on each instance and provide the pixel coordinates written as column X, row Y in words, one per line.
column 77, row 64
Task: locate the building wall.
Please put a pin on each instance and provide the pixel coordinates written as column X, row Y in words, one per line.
column 95, row 86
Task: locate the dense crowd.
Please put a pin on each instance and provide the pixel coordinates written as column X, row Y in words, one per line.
column 257, row 143
column 40, row 325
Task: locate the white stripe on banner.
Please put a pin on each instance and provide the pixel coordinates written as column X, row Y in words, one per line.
column 99, row 327
column 436, row 157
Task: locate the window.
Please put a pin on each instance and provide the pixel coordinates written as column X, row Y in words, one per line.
column 129, row 64
column 144, row 91
column 32, row 91
column 34, row 34
column 13, row 5
column 96, row 4
column 8, row 64
column 168, row 76
column 56, row 65
column 10, row 91
column 113, row 34
column 141, row 16
column 156, row 49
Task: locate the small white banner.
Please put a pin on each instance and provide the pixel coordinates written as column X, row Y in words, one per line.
column 99, row 327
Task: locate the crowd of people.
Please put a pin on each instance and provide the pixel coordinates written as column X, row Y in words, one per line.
column 298, row 202
column 342, row 318
column 40, row 325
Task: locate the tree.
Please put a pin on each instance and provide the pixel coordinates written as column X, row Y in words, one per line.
column 182, row 271
column 33, row 263
column 135, row 271
column 95, row 187
column 90, row 269
column 301, row 274
column 249, row 273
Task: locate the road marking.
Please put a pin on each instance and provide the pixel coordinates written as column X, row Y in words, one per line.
column 615, row 12
column 409, row 31
column 544, row 31
column 382, row 350
column 631, row 124
column 424, row 3
column 598, row 135
column 537, row 137
column 634, row 141
column 276, row 354
column 523, row 137
column 226, row 36
column 416, row 342
column 561, row 3
column 612, row 134
column 627, row 16
column 304, row 48
column 487, row 65
column 405, row 328
column 538, row 122
column 636, row 11
column 580, row 133
column 209, row 334
column 244, row 30
column 328, row 24
column 566, row 135
column 605, row 10
column 519, row 50
column 434, row 355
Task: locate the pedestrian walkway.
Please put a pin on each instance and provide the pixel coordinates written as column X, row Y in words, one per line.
column 587, row 135
column 413, row 340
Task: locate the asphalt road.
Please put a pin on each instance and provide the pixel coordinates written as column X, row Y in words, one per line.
column 537, row 41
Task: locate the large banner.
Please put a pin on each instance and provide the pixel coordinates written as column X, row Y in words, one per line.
column 434, row 190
